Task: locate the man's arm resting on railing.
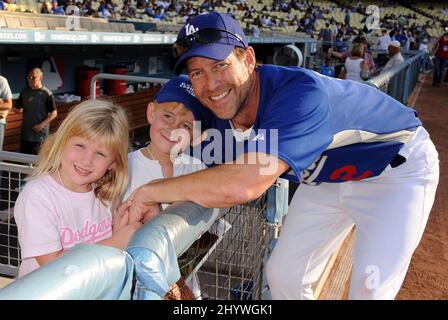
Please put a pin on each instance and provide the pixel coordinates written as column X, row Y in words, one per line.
column 219, row 187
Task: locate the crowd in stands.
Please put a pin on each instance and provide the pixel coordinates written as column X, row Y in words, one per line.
column 336, row 23
column 305, row 16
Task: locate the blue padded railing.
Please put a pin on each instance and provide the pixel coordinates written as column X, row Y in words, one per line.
column 86, row 272
column 92, row 272
column 156, row 246
column 400, row 81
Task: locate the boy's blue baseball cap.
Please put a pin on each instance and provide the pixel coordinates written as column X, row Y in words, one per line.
column 217, row 50
column 179, row 89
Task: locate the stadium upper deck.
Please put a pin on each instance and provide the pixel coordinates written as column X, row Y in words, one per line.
column 266, row 15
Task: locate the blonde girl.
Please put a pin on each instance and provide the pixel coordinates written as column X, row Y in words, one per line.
column 82, row 171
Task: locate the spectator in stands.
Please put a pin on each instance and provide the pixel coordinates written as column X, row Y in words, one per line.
column 347, row 18
column 327, row 69
column 400, row 37
column 128, row 10
column 73, row 195
column 149, row 10
column 86, row 9
column 5, row 106
column 409, row 41
column 441, row 60
column 282, row 23
column 356, row 68
column 423, row 47
column 72, row 9
column 326, row 35
column 344, row 179
column 367, row 56
column 55, row 9
column 383, row 45
column 104, row 11
column 159, row 14
column 395, row 56
column 111, row 7
column 334, row 27
column 38, row 107
column 46, row 7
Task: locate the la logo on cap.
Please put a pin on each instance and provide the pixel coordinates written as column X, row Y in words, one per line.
column 190, row 29
column 188, row 87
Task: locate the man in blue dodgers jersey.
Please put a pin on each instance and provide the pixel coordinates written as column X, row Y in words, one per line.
column 360, row 156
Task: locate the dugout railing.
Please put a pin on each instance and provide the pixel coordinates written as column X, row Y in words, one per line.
column 231, row 266
column 400, row 81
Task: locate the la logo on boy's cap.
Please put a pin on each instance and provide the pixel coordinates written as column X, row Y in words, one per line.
column 188, row 88
column 179, row 89
column 230, row 35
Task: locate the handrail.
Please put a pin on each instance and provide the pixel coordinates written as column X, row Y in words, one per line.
column 109, row 76
column 382, row 79
column 18, row 157
column 156, row 246
column 86, row 272
column 401, row 80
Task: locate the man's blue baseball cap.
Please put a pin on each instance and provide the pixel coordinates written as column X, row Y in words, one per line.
column 179, row 89
column 230, row 35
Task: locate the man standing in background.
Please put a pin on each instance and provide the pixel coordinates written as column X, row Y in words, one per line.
column 383, row 45
column 38, row 107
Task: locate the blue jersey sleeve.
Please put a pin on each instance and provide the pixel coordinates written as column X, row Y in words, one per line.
column 299, row 115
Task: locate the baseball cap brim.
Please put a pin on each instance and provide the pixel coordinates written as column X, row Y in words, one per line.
column 195, row 108
column 214, row 51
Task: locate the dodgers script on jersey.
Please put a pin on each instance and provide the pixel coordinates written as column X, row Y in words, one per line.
column 327, row 130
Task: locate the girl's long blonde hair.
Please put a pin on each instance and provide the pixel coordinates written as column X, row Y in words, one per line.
column 97, row 120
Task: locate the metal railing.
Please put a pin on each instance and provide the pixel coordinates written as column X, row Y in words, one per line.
column 231, row 267
column 14, row 168
column 108, row 76
column 401, row 80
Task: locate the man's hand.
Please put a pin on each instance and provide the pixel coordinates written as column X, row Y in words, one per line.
column 122, row 229
column 152, row 212
column 38, row 128
column 141, row 205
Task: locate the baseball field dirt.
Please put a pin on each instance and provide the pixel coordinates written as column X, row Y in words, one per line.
column 427, row 277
